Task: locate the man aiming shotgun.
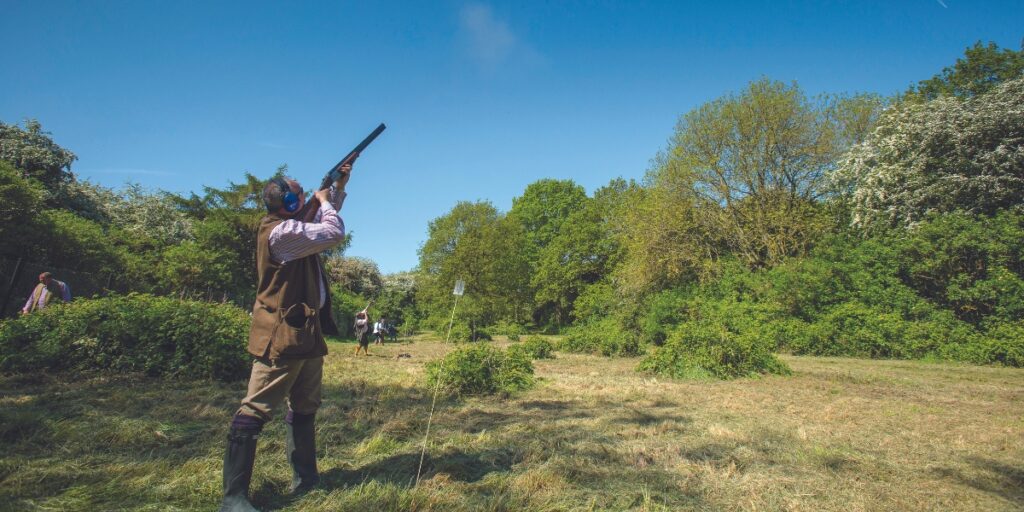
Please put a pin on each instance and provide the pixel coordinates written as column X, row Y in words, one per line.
column 291, row 314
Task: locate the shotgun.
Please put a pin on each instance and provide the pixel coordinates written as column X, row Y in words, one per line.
column 308, row 212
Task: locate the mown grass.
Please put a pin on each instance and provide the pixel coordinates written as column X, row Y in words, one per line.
column 839, row 434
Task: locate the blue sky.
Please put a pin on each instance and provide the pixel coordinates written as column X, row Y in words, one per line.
column 480, row 98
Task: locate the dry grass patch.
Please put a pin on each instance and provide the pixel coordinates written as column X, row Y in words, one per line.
column 839, row 434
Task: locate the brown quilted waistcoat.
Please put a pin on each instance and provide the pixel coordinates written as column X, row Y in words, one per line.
column 286, row 323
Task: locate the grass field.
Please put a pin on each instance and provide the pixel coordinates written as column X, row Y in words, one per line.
column 839, row 434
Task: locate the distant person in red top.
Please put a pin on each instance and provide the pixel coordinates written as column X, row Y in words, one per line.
column 47, row 290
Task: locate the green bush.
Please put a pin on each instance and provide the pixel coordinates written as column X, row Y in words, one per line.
column 481, row 369
column 606, row 337
column 536, row 347
column 345, row 305
column 509, row 329
column 712, row 350
column 135, row 333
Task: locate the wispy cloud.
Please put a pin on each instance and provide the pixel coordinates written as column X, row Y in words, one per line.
column 490, row 40
column 943, row 4
column 273, row 145
column 145, row 172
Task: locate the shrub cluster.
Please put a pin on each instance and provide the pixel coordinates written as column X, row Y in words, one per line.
column 536, row 347
column 711, row 350
column 951, row 288
column 510, row 329
column 481, row 369
column 158, row 336
column 605, row 336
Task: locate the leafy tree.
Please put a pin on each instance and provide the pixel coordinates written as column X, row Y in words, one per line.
column 754, row 164
column 357, row 275
column 397, row 301
column 65, row 240
column 20, row 198
column 140, row 212
column 544, row 211
column 982, row 68
column 664, row 238
column 945, row 155
column 35, row 154
column 581, row 254
column 475, row 243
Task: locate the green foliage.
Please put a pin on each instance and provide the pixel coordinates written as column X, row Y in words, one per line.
column 33, row 152
column 397, row 301
column 357, row 275
column 942, row 156
column 982, row 68
column 536, row 347
column 481, row 369
column 705, row 349
column 969, row 264
column 460, row 332
column 511, row 330
column 605, row 336
column 134, row 333
column 476, row 244
column 345, row 305
column 67, row 240
column 18, row 196
column 743, row 174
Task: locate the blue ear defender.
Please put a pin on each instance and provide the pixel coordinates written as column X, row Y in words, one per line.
column 289, row 200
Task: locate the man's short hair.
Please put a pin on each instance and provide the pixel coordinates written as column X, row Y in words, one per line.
column 273, row 193
column 45, row 275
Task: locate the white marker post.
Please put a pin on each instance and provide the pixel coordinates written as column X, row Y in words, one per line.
column 460, row 289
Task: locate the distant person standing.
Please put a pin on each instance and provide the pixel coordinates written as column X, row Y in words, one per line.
column 44, row 292
column 362, row 329
column 378, row 332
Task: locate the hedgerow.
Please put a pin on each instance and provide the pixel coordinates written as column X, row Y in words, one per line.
column 158, row 336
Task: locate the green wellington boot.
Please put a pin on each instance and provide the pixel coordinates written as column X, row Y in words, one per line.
column 301, row 451
column 238, row 462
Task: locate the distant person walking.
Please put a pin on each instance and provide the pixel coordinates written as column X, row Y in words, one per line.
column 44, row 292
column 362, row 328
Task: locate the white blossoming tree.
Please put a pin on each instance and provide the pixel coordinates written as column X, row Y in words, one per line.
column 945, row 155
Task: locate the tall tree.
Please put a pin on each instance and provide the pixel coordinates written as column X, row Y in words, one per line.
column 755, row 163
column 475, row 243
column 32, row 151
column 981, row 68
column 543, row 212
column 944, row 155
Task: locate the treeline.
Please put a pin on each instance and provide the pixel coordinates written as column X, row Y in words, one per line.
column 847, row 224
column 851, row 225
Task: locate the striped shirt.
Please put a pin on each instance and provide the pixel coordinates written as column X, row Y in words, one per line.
column 294, row 239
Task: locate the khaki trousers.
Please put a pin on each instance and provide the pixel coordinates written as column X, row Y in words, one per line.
column 272, row 382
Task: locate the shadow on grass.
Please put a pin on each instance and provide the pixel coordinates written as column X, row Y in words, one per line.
column 117, row 427
column 990, row 476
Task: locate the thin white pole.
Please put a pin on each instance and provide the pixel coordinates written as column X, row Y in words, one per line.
column 437, row 387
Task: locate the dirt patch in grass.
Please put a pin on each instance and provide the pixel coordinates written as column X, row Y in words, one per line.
column 839, row 434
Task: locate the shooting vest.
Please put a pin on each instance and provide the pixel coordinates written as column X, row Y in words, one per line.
column 53, row 291
column 286, row 323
